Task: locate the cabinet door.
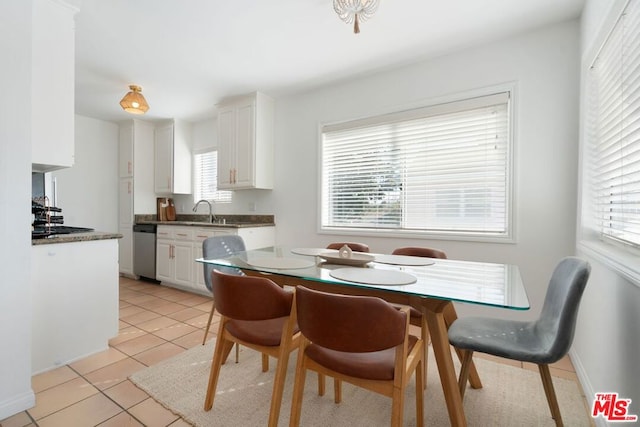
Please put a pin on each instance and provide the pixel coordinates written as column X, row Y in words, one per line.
column 163, row 159
column 198, row 270
column 165, row 265
column 125, row 151
column 52, row 85
column 245, row 152
column 125, row 201
column 184, row 260
column 226, row 146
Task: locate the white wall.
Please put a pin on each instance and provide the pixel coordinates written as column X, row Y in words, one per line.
column 544, row 66
column 15, row 213
column 607, row 343
column 88, row 191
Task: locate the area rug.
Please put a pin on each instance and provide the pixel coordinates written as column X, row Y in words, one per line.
column 510, row 396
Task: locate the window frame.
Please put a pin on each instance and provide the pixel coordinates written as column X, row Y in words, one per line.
column 217, row 200
column 509, row 237
column 622, row 258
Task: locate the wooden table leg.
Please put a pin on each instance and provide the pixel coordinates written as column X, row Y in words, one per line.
column 440, row 341
column 450, row 316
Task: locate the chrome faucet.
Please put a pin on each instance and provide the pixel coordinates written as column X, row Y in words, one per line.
column 212, row 217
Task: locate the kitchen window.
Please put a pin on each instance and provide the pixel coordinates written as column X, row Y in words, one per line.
column 206, row 178
column 440, row 170
column 613, row 136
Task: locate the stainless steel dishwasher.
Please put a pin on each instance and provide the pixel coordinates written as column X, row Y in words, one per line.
column 144, row 250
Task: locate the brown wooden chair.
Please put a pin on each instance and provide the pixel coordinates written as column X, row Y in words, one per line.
column 256, row 313
column 219, row 247
column 356, row 247
column 422, row 252
column 417, row 319
column 338, row 341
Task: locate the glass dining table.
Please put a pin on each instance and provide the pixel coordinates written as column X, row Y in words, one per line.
column 429, row 285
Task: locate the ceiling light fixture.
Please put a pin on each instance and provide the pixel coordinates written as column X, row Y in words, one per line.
column 133, row 102
column 355, row 11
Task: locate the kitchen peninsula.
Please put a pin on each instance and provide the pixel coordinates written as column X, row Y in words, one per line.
column 75, row 297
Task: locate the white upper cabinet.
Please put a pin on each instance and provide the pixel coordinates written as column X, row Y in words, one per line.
column 173, row 158
column 245, row 142
column 52, row 74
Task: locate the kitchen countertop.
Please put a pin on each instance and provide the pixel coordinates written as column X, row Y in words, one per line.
column 231, row 221
column 76, row 237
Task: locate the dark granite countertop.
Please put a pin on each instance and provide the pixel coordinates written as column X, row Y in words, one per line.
column 76, row 237
column 223, row 221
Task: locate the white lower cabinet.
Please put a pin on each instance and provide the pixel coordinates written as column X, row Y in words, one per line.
column 174, row 255
column 179, row 246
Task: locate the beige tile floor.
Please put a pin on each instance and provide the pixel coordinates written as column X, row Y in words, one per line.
column 156, row 322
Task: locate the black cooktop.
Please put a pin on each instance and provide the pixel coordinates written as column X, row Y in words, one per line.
column 42, row 232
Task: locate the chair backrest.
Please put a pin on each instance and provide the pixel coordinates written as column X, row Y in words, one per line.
column 220, row 247
column 249, row 297
column 348, row 323
column 558, row 316
column 423, row 252
column 357, row 247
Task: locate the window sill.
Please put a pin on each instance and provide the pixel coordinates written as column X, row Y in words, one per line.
column 616, row 258
column 414, row 234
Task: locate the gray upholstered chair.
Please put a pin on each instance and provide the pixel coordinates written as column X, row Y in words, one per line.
column 542, row 341
column 219, row 247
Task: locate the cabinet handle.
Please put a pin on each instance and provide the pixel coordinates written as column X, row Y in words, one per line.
column 204, row 237
column 129, row 167
column 230, row 176
column 129, row 187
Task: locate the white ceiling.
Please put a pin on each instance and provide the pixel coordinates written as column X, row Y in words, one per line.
column 189, row 54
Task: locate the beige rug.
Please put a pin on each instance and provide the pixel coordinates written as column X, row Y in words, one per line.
column 510, row 396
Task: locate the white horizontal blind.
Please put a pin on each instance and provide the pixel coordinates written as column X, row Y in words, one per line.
column 443, row 168
column 614, row 133
column 206, row 178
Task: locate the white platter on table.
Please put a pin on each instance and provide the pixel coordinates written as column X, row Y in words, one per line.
column 281, row 263
column 312, row 251
column 373, row 276
column 356, row 258
column 403, row 260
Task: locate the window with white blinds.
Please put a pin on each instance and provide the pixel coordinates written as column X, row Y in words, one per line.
column 444, row 169
column 614, row 131
column 206, row 178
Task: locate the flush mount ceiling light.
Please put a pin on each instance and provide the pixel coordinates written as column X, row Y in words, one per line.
column 133, row 102
column 354, row 11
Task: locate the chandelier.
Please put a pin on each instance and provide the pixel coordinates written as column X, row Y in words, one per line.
column 354, row 11
column 133, row 102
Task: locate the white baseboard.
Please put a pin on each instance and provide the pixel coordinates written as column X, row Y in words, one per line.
column 587, row 388
column 16, row 404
